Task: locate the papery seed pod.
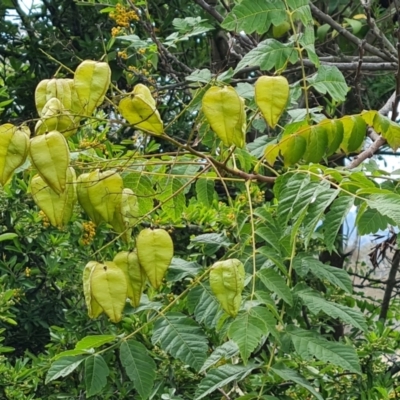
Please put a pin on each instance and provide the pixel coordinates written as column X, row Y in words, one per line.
column 271, row 96
column 94, row 308
column 82, row 184
column 91, row 82
column 76, row 108
column 14, row 146
column 134, row 274
column 41, row 95
column 52, row 88
column 139, row 109
column 49, row 154
column 58, row 207
column 99, row 194
column 109, row 287
column 55, row 118
column 126, row 214
column 155, row 251
column 144, row 91
column 227, row 283
column 224, row 110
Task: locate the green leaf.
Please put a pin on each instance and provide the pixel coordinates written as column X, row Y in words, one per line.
column 255, row 16
column 180, row 269
column 372, row 221
column 8, row 236
column 334, row 128
column 292, row 148
column 182, row 338
column 336, row 276
column 308, row 344
column 271, row 235
column 246, row 331
column 316, row 210
column 387, row 204
column 317, row 144
column 269, row 54
column 73, row 352
column 296, row 196
column 291, row 196
column 139, row 366
column 94, row 341
column 96, row 372
column 205, row 191
column 392, row 134
column 315, row 304
column 225, row 351
column 329, row 79
column 354, row 130
column 204, row 305
column 291, row 375
column 307, row 39
column 63, row 367
column 276, row 284
column 222, row 376
column 265, row 315
column 275, row 257
column 301, row 10
column 174, row 202
column 334, row 219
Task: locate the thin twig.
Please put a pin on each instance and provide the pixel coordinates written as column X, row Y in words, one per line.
column 348, row 35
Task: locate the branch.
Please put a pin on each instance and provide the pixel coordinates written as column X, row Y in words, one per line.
column 374, row 28
column 354, row 39
column 25, row 20
column 349, row 66
column 246, row 41
column 210, row 9
column 391, row 283
column 368, row 152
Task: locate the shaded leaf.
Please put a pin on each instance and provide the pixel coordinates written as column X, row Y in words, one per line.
column 315, row 304
column 63, row 367
column 139, row 366
column 291, row 375
column 336, row 276
column 329, row 79
column 276, row 284
column 222, row 376
column 225, row 351
column 96, row 372
column 182, row 338
column 308, row 344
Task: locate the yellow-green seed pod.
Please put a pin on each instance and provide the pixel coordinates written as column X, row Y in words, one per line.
column 58, row 207
column 134, row 274
column 91, row 82
column 227, row 283
column 49, row 154
column 139, row 109
column 14, row 146
column 271, row 96
column 94, row 308
column 224, row 110
column 55, row 118
column 155, row 250
column 109, row 287
column 126, row 214
column 99, row 194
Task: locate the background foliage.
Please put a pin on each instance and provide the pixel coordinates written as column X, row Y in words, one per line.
column 305, row 328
